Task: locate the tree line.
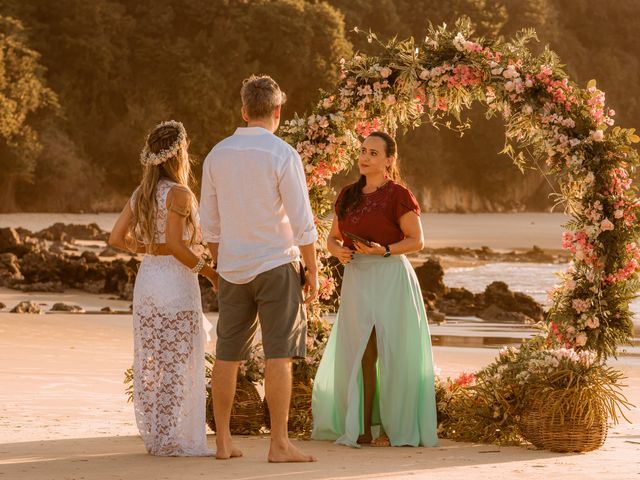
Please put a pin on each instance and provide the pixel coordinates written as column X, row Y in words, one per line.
column 82, row 82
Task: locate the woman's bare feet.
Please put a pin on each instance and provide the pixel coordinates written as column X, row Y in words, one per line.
column 365, row 439
column 225, row 449
column 381, row 441
column 288, row 453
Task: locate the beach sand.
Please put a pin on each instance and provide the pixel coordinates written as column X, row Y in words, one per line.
column 63, row 415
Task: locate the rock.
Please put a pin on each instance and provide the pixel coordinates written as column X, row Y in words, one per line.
column 460, row 302
column 26, row 307
column 435, row 316
column 2, row 305
column 57, row 248
column 62, row 232
column 10, row 267
column 23, row 232
column 96, row 286
column 9, row 240
column 90, row 257
column 106, row 309
column 493, row 313
column 108, row 252
column 431, row 277
column 66, row 307
column 51, row 287
column 498, row 293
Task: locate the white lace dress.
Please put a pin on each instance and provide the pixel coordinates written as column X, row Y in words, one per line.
column 169, row 378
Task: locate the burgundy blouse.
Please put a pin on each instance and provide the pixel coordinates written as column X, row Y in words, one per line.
column 376, row 216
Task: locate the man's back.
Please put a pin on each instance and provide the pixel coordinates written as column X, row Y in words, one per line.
column 254, row 204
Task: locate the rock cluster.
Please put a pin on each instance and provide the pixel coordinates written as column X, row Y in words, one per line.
column 496, row 304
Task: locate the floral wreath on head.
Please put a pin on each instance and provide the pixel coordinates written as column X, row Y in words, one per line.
column 147, row 157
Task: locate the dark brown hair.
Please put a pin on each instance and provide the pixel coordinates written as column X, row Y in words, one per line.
column 353, row 193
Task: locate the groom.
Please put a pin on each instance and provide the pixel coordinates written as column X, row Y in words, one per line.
column 257, row 220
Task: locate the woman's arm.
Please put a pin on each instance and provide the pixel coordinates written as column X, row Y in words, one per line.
column 119, row 232
column 412, row 242
column 178, row 208
column 334, row 244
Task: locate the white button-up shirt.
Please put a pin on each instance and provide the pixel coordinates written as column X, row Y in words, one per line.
column 255, row 204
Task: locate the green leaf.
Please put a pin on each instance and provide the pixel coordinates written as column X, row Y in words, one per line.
column 591, row 83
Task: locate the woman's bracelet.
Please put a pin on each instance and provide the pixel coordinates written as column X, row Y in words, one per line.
column 199, row 266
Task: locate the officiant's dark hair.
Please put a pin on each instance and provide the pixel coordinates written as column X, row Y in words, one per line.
column 353, row 194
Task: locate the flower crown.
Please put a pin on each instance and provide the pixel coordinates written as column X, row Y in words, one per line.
column 147, row 157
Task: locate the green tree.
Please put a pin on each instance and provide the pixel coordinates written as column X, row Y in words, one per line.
column 23, row 94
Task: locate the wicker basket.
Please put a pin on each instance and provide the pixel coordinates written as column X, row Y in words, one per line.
column 551, row 433
column 300, row 418
column 247, row 413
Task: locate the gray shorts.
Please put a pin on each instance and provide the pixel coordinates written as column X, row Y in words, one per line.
column 275, row 298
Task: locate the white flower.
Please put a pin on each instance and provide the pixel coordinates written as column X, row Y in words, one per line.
column 424, row 74
column 590, row 178
column 458, row 42
column 527, row 109
column 510, row 72
column 496, row 71
column 597, row 136
column 618, row 213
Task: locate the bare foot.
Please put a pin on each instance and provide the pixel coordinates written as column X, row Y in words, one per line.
column 381, row 441
column 288, row 453
column 226, row 450
column 365, row 439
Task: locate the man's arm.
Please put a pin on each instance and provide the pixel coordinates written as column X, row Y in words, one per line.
column 209, row 215
column 295, row 199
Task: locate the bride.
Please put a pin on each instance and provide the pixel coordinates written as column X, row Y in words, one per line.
column 161, row 221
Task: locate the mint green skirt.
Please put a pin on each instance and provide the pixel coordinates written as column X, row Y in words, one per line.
column 383, row 293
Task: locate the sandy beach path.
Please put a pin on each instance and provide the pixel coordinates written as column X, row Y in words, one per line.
column 63, row 415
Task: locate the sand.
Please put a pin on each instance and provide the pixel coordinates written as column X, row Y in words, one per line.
column 63, row 415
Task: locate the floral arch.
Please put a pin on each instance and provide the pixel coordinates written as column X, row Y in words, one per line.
column 546, row 115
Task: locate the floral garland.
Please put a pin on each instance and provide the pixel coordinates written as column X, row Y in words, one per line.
column 148, row 158
column 548, row 119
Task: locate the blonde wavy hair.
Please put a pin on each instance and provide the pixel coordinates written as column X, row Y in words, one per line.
column 176, row 168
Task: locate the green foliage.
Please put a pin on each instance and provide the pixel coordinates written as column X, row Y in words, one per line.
column 490, row 409
column 23, row 94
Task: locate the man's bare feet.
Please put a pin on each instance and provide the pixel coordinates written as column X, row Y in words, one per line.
column 225, row 449
column 381, row 441
column 288, row 453
column 365, row 439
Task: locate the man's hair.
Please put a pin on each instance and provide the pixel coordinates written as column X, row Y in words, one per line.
column 261, row 95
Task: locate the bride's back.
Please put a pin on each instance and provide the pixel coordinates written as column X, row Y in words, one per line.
column 163, row 187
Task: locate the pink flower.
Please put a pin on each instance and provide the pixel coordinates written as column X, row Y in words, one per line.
column 592, row 322
column 580, row 305
column 465, row 379
column 390, row 100
column 606, row 225
column 385, row 72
